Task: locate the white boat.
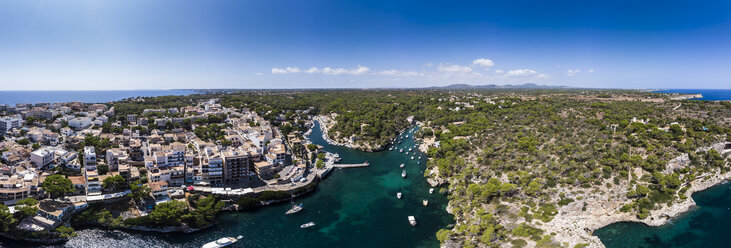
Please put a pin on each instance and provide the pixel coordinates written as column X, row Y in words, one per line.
column 418, row 162
column 401, row 166
column 410, row 149
column 222, row 242
column 402, row 150
column 425, row 202
column 307, row 225
column 390, row 148
column 407, row 153
column 407, row 136
column 431, row 191
column 398, row 195
column 412, row 157
column 295, row 208
column 403, row 173
column 412, row 220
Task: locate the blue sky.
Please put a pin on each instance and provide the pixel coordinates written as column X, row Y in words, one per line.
column 302, row 44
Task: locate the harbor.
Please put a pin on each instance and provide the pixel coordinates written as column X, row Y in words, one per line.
column 352, row 207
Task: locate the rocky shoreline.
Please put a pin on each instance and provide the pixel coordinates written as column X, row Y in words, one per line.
column 326, row 123
column 168, row 229
column 573, row 226
column 576, row 222
column 45, row 241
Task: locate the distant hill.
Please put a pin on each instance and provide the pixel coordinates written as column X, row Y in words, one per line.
column 495, row 86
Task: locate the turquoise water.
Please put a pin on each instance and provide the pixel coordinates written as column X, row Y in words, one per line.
column 86, row 96
column 706, row 226
column 355, row 207
column 708, row 94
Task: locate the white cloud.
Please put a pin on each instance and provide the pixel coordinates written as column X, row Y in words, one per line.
column 285, row 70
column 259, row 73
column 521, row 73
column 398, row 73
column 453, row 68
column 483, row 62
column 572, row 72
column 591, row 70
column 498, row 71
column 312, row 70
column 361, row 70
column 327, row 70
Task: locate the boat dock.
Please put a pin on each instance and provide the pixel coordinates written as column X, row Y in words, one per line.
column 351, row 165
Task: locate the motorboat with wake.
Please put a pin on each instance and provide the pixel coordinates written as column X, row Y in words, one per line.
column 222, row 242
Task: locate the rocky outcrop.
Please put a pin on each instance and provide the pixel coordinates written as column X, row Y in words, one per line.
column 575, row 226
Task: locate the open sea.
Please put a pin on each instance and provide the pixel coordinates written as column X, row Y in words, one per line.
column 353, row 207
column 86, row 96
column 708, row 94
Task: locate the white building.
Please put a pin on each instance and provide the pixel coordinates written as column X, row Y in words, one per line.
column 89, row 158
column 8, row 123
column 67, row 131
column 42, row 157
column 116, row 156
column 79, row 123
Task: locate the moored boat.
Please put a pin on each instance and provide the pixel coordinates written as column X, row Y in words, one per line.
column 398, row 195
column 431, row 191
column 307, row 225
column 295, row 208
column 222, row 242
column 403, row 173
column 412, row 220
column 425, row 202
column 401, row 166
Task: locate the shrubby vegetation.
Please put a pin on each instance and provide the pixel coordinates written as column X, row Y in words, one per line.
column 512, row 158
column 201, row 212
